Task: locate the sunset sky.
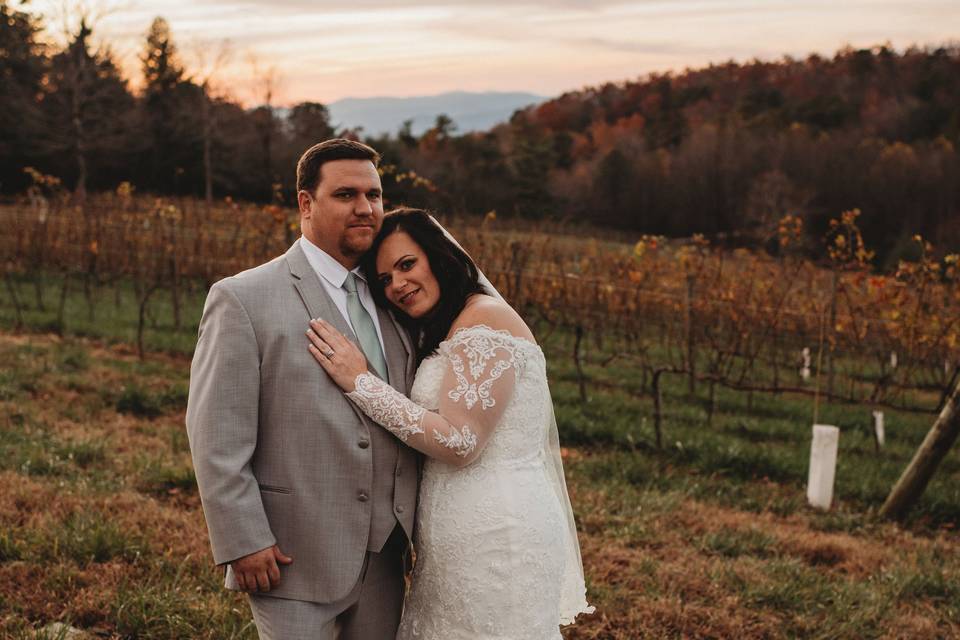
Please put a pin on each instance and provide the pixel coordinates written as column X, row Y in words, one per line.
column 324, row 50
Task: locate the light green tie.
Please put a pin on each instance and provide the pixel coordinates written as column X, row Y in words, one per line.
column 363, row 327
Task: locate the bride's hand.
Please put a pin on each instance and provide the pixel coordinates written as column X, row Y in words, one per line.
column 341, row 359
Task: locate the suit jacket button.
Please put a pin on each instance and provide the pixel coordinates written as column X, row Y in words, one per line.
column 363, row 444
column 399, row 508
column 363, row 497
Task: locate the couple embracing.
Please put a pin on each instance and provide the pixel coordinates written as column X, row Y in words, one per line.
column 369, row 388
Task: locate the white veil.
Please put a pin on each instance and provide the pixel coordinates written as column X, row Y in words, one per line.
column 573, row 593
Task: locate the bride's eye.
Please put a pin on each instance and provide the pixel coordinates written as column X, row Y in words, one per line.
column 384, row 281
column 407, row 264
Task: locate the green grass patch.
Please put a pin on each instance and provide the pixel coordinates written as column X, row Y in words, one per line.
column 732, row 543
column 927, row 580
column 91, row 537
column 139, row 401
column 159, row 477
column 169, row 609
column 789, row 586
column 31, row 448
column 84, row 453
column 155, row 610
column 10, row 547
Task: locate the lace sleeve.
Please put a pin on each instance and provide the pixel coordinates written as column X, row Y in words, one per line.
column 482, row 367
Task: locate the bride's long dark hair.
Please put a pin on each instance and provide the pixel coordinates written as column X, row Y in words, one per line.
column 454, row 270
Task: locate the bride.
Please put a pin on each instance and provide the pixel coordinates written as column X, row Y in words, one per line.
column 497, row 552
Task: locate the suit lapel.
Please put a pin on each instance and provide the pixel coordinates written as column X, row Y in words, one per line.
column 395, row 351
column 411, row 360
column 319, row 305
column 404, row 336
column 312, row 293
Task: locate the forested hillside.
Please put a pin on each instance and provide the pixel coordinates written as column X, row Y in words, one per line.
column 728, row 149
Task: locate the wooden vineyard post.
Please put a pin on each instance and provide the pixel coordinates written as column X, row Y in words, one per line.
column 925, row 461
column 948, row 387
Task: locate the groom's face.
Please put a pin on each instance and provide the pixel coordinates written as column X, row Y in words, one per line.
column 345, row 212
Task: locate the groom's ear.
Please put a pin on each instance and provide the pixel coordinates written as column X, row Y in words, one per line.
column 303, row 201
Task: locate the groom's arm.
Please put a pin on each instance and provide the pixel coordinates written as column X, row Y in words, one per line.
column 222, row 423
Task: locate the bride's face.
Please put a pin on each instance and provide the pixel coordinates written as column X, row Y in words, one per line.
column 404, row 272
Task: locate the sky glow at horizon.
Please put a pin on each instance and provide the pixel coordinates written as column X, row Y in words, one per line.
column 323, row 51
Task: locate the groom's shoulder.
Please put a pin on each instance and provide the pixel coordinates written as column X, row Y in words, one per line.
column 265, row 271
column 255, row 280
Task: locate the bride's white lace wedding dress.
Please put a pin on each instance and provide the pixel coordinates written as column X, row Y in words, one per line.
column 495, row 558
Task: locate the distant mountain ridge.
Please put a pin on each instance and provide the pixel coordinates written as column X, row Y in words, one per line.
column 469, row 111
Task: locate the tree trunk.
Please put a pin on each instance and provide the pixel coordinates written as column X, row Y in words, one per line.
column 207, row 143
column 38, row 290
column 88, row 294
column 776, row 360
column 80, row 152
column 691, row 354
column 142, row 319
column 175, row 292
column 62, row 307
column 925, row 461
column 712, row 403
column 831, row 371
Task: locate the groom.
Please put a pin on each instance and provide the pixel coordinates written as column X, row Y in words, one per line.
column 308, row 504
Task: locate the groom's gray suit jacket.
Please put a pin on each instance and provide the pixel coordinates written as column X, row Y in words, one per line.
column 281, row 456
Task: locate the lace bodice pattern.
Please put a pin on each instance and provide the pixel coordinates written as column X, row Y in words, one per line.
column 519, row 436
column 479, row 370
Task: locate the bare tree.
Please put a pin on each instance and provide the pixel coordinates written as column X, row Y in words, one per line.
column 88, row 81
column 266, row 83
column 209, row 63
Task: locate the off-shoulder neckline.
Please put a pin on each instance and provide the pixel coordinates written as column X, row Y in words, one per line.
column 500, row 332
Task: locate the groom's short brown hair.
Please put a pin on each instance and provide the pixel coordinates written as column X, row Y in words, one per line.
column 308, row 167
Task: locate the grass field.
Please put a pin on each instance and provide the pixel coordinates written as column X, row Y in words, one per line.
column 100, row 524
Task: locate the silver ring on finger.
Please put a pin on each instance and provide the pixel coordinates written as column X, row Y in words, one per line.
column 328, row 354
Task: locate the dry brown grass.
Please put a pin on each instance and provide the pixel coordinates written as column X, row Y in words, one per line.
column 659, row 564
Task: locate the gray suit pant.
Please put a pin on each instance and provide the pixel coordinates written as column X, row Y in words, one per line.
column 371, row 611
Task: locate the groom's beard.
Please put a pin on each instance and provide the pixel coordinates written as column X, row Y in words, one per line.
column 357, row 247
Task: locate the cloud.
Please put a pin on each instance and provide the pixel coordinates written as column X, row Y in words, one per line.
column 329, row 50
column 379, row 5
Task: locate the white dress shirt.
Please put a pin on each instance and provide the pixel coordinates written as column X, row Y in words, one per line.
column 332, row 276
